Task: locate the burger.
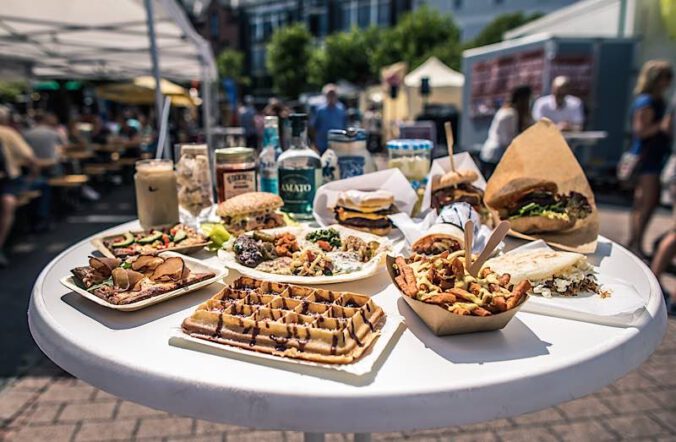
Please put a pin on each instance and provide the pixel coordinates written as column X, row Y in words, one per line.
column 533, row 206
column 551, row 273
column 251, row 211
column 456, row 186
column 366, row 211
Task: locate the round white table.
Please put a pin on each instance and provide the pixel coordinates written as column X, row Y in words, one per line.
column 424, row 382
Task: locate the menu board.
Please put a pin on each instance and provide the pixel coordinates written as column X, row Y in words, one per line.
column 492, row 79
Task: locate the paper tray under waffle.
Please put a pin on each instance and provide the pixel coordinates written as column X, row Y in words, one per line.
column 363, row 366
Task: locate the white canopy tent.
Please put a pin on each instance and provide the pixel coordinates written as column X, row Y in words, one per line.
column 104, row 39
column 445, row 85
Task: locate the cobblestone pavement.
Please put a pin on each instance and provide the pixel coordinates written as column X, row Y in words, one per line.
column 39, row 402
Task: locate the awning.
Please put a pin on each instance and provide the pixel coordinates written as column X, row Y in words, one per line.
column 142, row 91
column 101, row 39
column 438, row 73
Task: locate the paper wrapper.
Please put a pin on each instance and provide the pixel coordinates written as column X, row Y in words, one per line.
column 463, row 161
column 541, row 152
column 443, row 323
column 622, row 308
column 391, row 180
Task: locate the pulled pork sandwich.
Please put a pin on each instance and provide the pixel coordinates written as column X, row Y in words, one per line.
column 365, row 211
column 533, row 206
column 251, row 211
column 551, row 273
column 456, row 186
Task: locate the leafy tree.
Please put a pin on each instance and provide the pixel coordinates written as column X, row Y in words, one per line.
column 10, row 90
column 288, row 56
column 418, row 35
column 494, row 31
column 230, row 63
column 346, row 56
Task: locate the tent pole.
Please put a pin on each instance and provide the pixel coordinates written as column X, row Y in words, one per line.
column 206, row 106
column 155, row 61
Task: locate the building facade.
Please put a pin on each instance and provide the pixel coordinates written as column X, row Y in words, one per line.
column 218, row 21
column 473, row 15
column 259, row 19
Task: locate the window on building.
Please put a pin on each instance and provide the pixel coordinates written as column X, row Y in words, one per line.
column 214, row 23
column 384, row 13
column 314, row 24
column 258, row 59
column 498, row 2
column 457, row 4
column 346, row 16
column 364, row 14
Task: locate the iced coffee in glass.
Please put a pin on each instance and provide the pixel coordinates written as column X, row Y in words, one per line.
column 156, row 194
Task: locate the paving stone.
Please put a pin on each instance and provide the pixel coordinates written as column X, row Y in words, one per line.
column 482, row 436
column 13, row 401
column 495, row 424
column 99, row 431
column 87, row 411
column 206, row 427
column 64, row 392
column 663, row 375
column 165, row 427
column 589, row 406
column 132, row 409
column 667, row 419
column 666, row 397
column 635, row 426
column 587, row 430
column 102, row 395
column 631, row 402
column 536, row 434
column 387, row 436
column 51, row 433
column 256, row 436
column 546, row 416
column 211, row 438
column 634, row 381
column 31, row 383
column 41, row 413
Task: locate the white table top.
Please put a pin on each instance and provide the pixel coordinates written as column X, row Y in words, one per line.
column 424, row 382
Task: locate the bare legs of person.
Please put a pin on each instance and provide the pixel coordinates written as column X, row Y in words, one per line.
column 646, row 199
column 7, row 209
column 665, row 252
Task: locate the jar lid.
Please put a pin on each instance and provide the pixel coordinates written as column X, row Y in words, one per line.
column 234, row 154
column 193, row 149
column 349, row 135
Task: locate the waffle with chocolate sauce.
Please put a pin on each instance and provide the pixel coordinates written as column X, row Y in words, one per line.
column 288, row 320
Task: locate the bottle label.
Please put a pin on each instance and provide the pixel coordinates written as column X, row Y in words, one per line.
column 297, row 188
column 270, row 185
column 351, row 166
column 236, row 183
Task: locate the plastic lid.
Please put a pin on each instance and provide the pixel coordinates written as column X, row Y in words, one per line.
column 234, row 154
column 409, row 144
column 349, row 135
column 194, row 149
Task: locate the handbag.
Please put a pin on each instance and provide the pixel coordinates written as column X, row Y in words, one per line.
column 628, row 166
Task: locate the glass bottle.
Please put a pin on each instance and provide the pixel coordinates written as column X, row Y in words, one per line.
column 300, row 171
column 267, row 160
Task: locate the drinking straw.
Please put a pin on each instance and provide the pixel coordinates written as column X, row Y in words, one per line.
column 469, row 242
column 161, row 139
column 449, row 143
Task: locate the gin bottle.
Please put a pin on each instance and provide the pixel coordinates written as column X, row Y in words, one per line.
column 300, row 171
column 267, row 160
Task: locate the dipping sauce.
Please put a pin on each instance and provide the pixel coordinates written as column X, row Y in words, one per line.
column 235, row 171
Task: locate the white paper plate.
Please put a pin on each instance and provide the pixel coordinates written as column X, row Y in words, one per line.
column 195, row 266
column 364, row 365
column 367, row 270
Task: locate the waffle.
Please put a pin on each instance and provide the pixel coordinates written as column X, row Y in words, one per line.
column 289, row 321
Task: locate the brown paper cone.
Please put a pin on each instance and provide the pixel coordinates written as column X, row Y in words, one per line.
column 443, row 323
column 542, row 152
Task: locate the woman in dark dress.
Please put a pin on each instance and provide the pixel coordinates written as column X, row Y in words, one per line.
column 650, row 143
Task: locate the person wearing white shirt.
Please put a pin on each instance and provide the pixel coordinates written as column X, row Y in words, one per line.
column 509, row 121
column 563, row 109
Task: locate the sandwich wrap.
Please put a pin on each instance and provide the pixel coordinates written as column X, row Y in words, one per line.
column 541, row 152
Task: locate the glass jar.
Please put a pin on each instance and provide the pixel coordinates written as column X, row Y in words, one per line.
column 235, row 171
column 411, row 156
column 156, row 194
column 193, row 178
column 350, row 148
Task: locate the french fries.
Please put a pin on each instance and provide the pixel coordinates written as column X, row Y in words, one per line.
column 443, row 280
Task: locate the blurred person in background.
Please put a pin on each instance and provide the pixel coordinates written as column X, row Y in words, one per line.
column 330, row 115
column 275, row 108
column 511, row 119
column 247, row 121
column 16, row 154
column 666, row 247
column 100, row 132
column 373, row 125
column 47, row 143
column 651, row 143
column 564, row 110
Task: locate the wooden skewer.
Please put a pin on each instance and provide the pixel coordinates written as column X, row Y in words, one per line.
column 449, row 143
column 496, row 237
column 469, row 241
